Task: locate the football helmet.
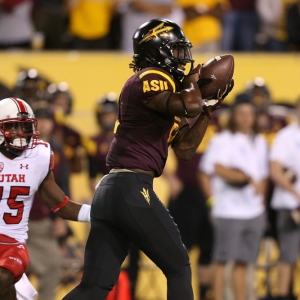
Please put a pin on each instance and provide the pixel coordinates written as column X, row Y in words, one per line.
column 107, row 105
column 61, row 96
column 260, row 94
column 161, row 43
column 31, row 86
column 18, row 126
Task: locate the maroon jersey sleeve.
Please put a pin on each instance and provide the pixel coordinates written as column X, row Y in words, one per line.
column 142, row 135
column 154, row 81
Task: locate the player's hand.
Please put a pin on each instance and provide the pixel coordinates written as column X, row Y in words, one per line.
column 227, row 90
column 203, row 81
column 196, row 70
column 216, row 103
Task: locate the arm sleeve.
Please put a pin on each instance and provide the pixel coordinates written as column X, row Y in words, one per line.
column 153, row 81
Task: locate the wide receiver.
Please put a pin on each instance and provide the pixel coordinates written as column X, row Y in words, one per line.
column 26, row 165
column 153, row 109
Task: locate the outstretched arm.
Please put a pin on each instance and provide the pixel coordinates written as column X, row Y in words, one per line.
column 58, row 201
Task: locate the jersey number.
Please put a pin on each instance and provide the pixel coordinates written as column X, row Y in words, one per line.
column 15, row 191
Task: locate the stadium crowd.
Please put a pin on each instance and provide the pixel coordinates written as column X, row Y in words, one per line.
column 206, row 201
column 211, row 25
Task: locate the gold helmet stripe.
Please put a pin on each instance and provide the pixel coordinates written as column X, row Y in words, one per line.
column 153, row 33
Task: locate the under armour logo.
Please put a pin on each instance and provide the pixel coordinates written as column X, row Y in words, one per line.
column 24, row 166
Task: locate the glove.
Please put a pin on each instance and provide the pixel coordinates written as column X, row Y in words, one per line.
column 216, row 103
column 203, row 81
column 228, row 89
column 196, row 70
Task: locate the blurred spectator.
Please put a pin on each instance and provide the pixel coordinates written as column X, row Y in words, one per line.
column 271, row 118
column 187, row 205
column 137, row 12
column 90, row 23
column 51, row 20
column 5, row 92
column 285, row 173
column 202, row 24
column 106, row 116
column 234, row 172
column 272, row 34
column 240, row 25
column 16, row 27
column 293, row 26
column 44, row 227
column 61, row 102
column 31, row 86
column 259, row 94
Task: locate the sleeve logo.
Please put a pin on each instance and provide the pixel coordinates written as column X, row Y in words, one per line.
column 155, row 85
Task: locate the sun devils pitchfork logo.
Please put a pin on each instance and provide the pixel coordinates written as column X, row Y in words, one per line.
column 1, row 166
column 153, row 33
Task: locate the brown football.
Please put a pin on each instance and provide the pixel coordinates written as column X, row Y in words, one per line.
column 220, row 70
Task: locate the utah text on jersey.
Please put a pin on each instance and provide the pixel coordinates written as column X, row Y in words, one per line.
column 20, row 179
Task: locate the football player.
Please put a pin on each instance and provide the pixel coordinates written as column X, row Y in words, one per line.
column 106, row 113
column 154, row 105
column 26, row 165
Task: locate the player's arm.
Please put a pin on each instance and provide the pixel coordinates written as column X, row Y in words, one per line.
column 60, row 203
column 231, row 175
column 187, row 103
column 279, row 177
column 189, row 138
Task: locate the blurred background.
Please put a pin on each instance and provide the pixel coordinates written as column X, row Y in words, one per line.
column 69, row 59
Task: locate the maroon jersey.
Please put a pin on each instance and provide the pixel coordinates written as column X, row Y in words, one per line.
column 97, row 160
column 142, row 135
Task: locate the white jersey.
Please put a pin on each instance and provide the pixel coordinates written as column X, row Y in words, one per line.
column 20, row 178
column 286, row 150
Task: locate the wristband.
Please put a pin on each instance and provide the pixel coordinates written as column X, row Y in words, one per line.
column 58, row 207
column 84, row 214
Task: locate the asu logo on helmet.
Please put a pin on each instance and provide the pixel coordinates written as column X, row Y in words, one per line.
column 160, row 30
column 161, row 43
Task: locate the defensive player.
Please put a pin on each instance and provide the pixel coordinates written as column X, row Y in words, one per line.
column 25, row 168
column 125, row 208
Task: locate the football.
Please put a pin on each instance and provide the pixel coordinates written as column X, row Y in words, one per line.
column 220, row 69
